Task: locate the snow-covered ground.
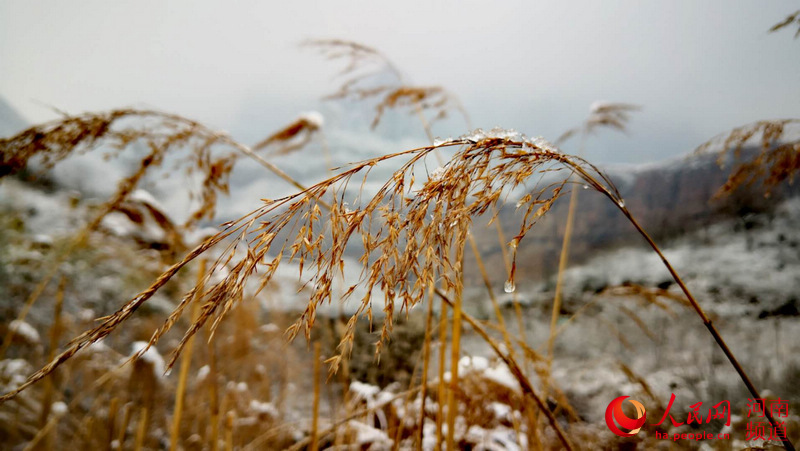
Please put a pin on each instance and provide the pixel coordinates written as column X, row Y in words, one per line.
column 745, row 273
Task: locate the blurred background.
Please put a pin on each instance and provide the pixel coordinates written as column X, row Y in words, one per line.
column 687, row 72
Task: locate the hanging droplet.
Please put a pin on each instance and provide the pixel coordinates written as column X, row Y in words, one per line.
column 621, row 203
column 168, row 372
column 585, row 186
column 509, row 286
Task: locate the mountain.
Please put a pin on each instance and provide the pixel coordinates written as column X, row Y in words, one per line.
column 668, row 199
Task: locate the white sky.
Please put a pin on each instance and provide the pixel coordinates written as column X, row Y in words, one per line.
column 697, row 67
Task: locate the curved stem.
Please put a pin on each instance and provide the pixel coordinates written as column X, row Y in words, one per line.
column 706, row 321
column 695, row 305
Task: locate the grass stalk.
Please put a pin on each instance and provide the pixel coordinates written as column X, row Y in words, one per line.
column 455, row 354
column 510, row 361
column 315, row 409
column 358, row 414
column 32, row 298
column 495, row 305
column 400, row 422
column 55, row 334
column 706, row 322
column 426, row 357
column 123, row 429
column 442, row 385
column 213, row 394
column 113, row 409
column 693, row 302
column 562, row 262
column 501, row 237
column 562, row 267
column 478, row 259
column 229, row 419
column 186, row 361
column 141, row 430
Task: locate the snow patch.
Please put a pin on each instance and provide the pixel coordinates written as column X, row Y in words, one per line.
column 313, row 118
column 264, row 408
column 203, row 372
column 59, row 408
column 148, row 354
column 144, row 197
column 369, row 435
column 25, row 331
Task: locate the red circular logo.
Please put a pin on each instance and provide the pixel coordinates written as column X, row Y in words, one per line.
column 615, row 416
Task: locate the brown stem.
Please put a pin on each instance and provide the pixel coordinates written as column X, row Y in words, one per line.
column 455, row 353
column 315, row 411
column 700, row 312
column 527, row 388
column 425, row 366
column 441, row 388
column 706, row 321
column 186, row 361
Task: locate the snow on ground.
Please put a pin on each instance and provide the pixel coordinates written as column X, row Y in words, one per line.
column 744, row 274
column 725, row 264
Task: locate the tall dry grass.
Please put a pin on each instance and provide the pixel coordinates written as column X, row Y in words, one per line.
column 777, row 159
column 411, row 236
column 201, row 152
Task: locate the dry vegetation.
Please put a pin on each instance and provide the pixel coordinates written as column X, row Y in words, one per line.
column 790, row 20
column 777, row 160
column 239, row 387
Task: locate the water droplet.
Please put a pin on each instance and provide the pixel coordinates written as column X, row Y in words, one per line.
column 621, row 203
column 168, row 372
column 585, row 186
column 514, row 243
column 438, row 141
column 509, row 286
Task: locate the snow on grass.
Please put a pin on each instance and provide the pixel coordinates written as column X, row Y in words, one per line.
column 59, row 408
column 374, row 398
column 144, row 197
column 367, row 435
column 13, row 373
column 314, row 118
column 150, row 355
column 497, row 373
column 264, row 408
column 25, row 331
column 502, row 375
column 364, row 391
column 270, row 328
column 203, row 372
column 121, row 225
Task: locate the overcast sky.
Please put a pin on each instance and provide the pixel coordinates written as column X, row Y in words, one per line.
column 697, row 67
